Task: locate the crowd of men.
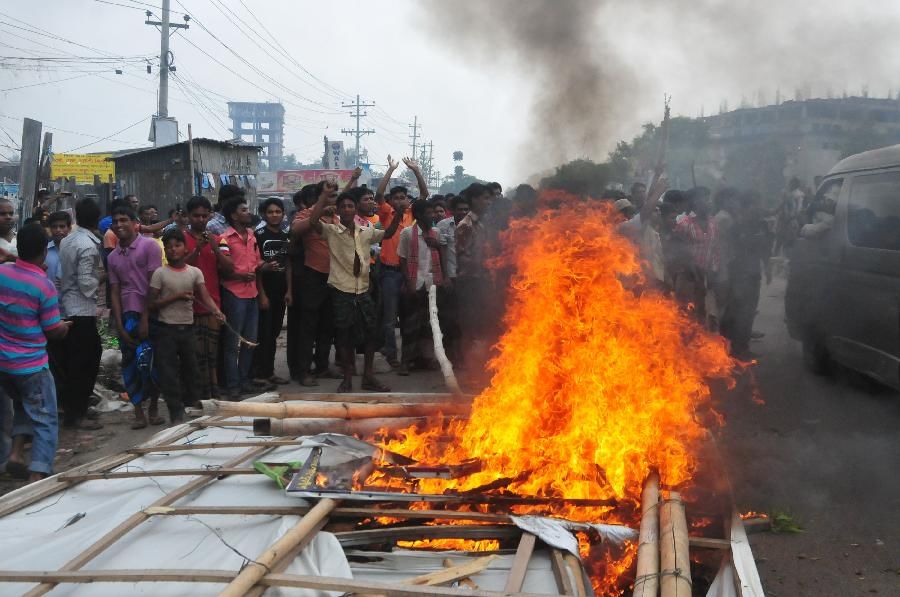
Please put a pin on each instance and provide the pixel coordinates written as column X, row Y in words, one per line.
column 710, row 251
column 198, row 299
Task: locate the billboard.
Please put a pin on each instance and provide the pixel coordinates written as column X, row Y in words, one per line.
column 82, row 166
column 335, row 158
column 291, row 181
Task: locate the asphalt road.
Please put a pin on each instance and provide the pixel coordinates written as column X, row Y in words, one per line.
column 826, row 451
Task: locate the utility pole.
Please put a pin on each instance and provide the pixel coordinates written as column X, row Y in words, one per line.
column 415, row 126
column 165, row 64
column 357, row 114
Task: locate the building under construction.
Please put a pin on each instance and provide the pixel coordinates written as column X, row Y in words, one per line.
column 260, row 124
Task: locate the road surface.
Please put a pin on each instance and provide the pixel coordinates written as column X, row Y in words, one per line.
column 826, row 451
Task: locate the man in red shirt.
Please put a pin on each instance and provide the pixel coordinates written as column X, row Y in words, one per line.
column 242, row 298
column 204, row 253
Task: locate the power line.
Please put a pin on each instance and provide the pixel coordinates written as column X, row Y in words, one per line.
column 130, row 126
column 47, row 82
column 219, row 5
column 288, row 55
column 415, row 126
column 254, row 68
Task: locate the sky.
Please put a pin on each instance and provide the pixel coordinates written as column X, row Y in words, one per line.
column 477, row 81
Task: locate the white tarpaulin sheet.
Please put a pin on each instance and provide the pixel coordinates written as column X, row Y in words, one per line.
column 36, row 537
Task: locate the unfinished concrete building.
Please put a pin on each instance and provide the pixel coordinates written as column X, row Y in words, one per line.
column 260, row 124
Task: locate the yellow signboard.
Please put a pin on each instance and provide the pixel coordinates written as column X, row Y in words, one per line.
column 82, row 166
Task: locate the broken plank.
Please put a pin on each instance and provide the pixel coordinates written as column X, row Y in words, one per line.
column 449, row 575
column 466, row 582
column 560, row 572
column 206, row 472
column 520, row 563
column 709, row 543
column 415, row 533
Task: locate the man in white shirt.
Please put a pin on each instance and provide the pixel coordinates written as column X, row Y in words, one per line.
column 8, row 250
column 420, row 263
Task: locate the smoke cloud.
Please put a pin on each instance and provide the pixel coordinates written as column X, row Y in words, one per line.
column 595, row 69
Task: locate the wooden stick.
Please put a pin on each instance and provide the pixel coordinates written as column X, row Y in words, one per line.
column 574, row 565
column 184, row 472
column 520, row 564
column 373, row 397
column 449, row 575
column 322, row 583
column 709, row 543
column 675, row 557
column 646, row 582
column 466, row 582
column 136, row 519
column 450, row 531
column 345, row 410
column 560, row 572
column 438, row 338
column 275, row 443
column 362, row 427
column 257, row 569
column 301, row 510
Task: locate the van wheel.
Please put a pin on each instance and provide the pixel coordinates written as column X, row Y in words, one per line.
column 815, row 357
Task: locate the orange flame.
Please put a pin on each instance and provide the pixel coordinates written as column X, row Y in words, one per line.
column 598, row 379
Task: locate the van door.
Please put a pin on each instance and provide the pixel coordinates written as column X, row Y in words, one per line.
column 868, row 335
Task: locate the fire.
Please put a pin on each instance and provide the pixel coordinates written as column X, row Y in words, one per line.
column 452, row 544
column 597, row 381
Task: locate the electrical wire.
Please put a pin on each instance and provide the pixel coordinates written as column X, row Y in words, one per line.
column 111, row 135
column 47, row 82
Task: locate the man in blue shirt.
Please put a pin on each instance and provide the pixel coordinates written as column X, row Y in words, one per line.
column 60, row 223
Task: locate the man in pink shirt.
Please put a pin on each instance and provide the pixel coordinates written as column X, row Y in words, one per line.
column 243, row 297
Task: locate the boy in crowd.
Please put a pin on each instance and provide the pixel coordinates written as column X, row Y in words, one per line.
column 60, row 223
column 29, row 314
column 473, row 279
column 273, row 244
column 81, row 270
column 217, row 222
column 243, row 297
column 348, row 278
column 204, row 253
column 131, row 264
column 173, row 289
column 293, row 270
column 421, row 266
column 390, row 278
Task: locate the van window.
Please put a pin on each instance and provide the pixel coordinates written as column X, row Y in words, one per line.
column 873, row 218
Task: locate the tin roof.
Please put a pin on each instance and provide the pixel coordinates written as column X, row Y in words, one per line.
column 224, row 144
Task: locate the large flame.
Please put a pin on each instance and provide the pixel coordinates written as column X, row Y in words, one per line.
column 598, row 379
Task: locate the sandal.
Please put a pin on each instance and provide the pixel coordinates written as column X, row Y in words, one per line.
column 17, row 470
column 373, row 385
column 345, row 387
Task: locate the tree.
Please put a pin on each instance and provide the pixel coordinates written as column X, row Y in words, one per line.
column 757, row 166
column 289, row 162
column 581, row 177
column 458, row 181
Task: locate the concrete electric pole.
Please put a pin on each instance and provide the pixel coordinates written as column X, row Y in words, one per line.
column 415, row 126
column 357, row 132
column 165, row 64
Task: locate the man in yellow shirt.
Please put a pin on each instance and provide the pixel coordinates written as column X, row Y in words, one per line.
column 348, row 279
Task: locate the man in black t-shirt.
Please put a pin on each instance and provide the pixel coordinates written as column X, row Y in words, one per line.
column 273, row 245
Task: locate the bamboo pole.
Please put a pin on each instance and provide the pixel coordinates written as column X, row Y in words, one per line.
column 258, row 568
column 362, row 427
column 311, row 410
column 675, row 576
column 646, row 583
column 438, row 337
column 372, row 397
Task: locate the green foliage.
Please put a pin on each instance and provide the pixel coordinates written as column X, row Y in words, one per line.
column 108, row 337
column 783, row 522
column 581, row 177
column 457, row 182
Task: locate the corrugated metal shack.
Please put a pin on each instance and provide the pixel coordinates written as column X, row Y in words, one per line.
column 162, row 177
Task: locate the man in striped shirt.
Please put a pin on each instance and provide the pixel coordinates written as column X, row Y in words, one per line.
column 29, row 314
